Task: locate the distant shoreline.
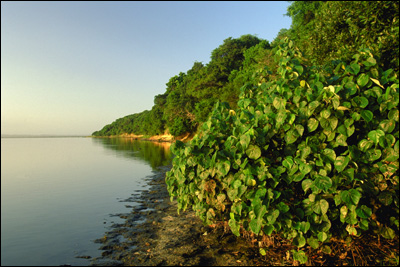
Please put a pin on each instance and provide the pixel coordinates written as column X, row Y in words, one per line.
column 156, row 138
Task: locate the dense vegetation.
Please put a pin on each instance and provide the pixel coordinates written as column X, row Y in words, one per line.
column 310, row 152
column 298, row 137
column 305, row 155
column 323, row 30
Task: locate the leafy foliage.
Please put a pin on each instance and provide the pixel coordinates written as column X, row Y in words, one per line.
column 308, row 154
column 327, row 30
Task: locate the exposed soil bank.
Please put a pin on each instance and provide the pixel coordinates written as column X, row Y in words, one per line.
column 157, row 138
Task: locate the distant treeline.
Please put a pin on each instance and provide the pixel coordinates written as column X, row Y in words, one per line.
column 323, row 30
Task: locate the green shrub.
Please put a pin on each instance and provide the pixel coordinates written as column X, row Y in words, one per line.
column 306, row 155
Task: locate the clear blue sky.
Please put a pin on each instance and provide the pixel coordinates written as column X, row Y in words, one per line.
column 73, row 67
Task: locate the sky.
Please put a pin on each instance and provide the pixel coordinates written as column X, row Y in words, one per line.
column 70, row 68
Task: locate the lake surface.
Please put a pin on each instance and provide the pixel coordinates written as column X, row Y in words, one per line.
column 58, row 194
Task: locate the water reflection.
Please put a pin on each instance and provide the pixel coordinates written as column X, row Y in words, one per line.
column 154, row 153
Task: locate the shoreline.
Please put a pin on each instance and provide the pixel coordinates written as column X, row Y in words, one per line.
column 154, row 234
column 155, row 138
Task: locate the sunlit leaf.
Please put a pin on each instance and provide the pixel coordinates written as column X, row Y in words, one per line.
column 324, row 206
column 254, row 152
column 350, row 197
column 367, row 115
column 312, row 124
column 363, row 79
column 322, row 236
column 306, row 184
column 323, row 182
column 364, row 212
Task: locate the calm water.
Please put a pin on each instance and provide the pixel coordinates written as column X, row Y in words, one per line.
column 57, row 194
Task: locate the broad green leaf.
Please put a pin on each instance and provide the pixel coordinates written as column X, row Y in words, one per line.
column 361, row 101
column 312, row 124
column 313, row 105
column 292, row 118
column 356, row 116
column 394, row 115
column 304, row 226
column 245, row 140
column 268, row 229
column 262, row 252
column 390, row 155
column 305, row 168
column 298, row 177
column 291, row 136
column 325, row 124
column 350, row 197
column 348, row 122
column 351, row 87
column 272, row 216
column 254, row 152
column 336, row 101
column 330, row 154
column 364, row 212
column 333, row 122
column 322, row 236
column 342, row 129
column 367, row 115
column 350, row 130
column 299, row 69
column 387, row 125
column 323, row 182
column 300, row 129
column 373, row 154
column 299, row 241
column 365, row 144
column 232, row 193
column 223, row 167
column 282, row 207
column 341, row 163
column 341, row 140
column 280, row 119
column 363, row 79
column 375, row 135
column 288, row 162
column 260, row 210
column 279, row 103
column 235, row 226
column 387, row 232
column 255, row 226
column 364, row 224
column 324, row 206
column 325, row 113
column 354, row 68
column 300, row 255
column 369, row 62
column 349, row 173
column 305, row 152
column 306, row 184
